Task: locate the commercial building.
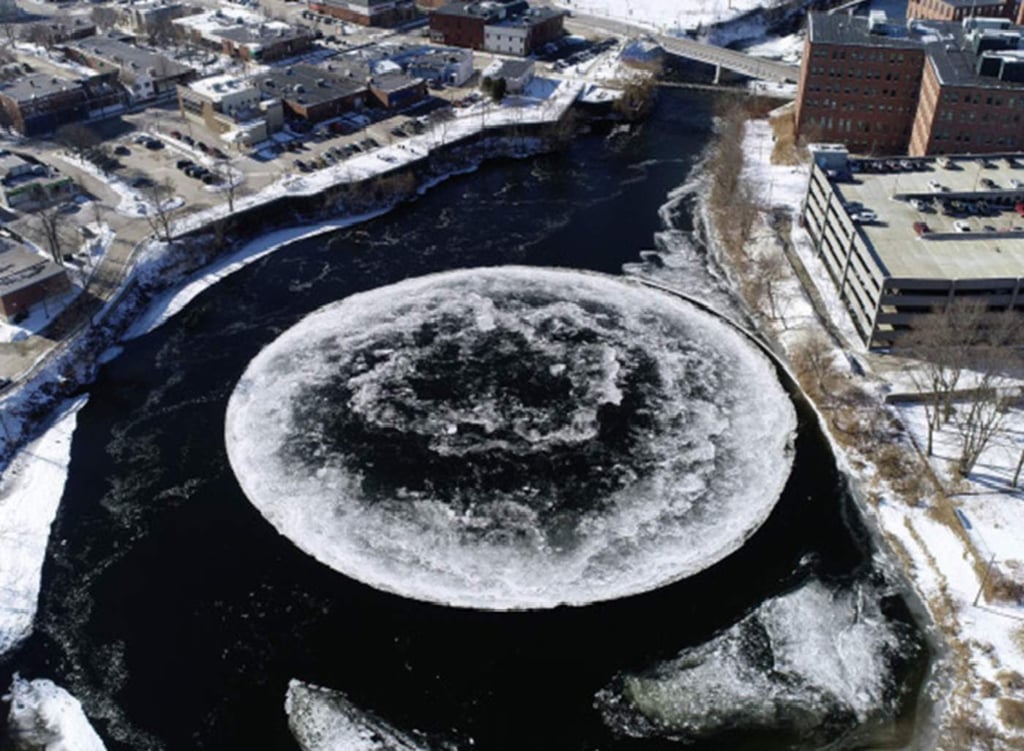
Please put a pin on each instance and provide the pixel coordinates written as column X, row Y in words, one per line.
column 385, row 13
column 147, row 16
column 27, row 279
column 445, row 65
column 516, row 73
column 395, row 91
column 505, row 26
column 35, row 104
column 902, row 238
column 26, row 186
column 313, row 93
column 233, row 109
column 937, row 87
column 144, row 74
column 245, row 35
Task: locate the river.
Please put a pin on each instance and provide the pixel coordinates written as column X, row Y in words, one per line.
column 178, row 615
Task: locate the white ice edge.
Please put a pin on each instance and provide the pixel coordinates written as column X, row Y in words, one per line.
column 441, row 570
column 30, row 492
column 45, row 716
column 169, row 304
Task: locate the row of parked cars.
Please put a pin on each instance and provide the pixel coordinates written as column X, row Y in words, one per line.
column 336, row 154
column 198, row 172
column 190, row 141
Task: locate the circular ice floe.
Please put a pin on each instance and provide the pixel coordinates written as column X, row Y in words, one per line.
column 512, row 438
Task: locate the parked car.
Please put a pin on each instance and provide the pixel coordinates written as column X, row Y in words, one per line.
column 175, row 134
column 184, row 164
column 864, row 216
column 154, row 144
column 961, row 225
column 921, row 228
column 122, row 150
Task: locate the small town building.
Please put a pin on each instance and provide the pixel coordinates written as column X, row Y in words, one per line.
column 26, row 280
column 233, row 109
column 909, row 236
column 504, row 26
column 396, row 91
column 27, row 186
column 246, row 36
column 385, row 13
column 452, row 66
column 145, row 74
column 57, row 30
column 516, row 73
column 148, row 16
column 312, row 93
column 35, row 104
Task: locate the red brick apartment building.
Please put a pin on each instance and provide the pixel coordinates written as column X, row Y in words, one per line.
column 957, row 10
column 939, row 88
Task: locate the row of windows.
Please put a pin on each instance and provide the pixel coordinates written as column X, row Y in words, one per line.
column 969, row 116
column 858, row 73
column 850, row 125
column 987, row 138
column 847, row 106
column 871, row 56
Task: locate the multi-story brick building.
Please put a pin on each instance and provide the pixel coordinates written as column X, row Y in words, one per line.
column 386, row 13
column 957, row 10
column 245, row 35
column 511, row 27
column 856, row 86
column 26, row 279
column 936, row 88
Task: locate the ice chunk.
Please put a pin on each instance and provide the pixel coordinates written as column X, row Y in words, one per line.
column 325, row 720
column 811, row 661
column 512, row 438
column 45, row 717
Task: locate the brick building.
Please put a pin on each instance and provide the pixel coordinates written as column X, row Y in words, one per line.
column 957, row 10
column 26, row 279
column 38, row 103
column 511, row 27
column 385, row 13
column 938, row 88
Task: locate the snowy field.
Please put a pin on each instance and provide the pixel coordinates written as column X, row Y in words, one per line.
column 664, row 16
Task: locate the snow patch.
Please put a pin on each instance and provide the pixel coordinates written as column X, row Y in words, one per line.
column 45, row 717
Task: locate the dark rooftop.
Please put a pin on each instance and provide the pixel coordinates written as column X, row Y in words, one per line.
column 118, row 53
column 37, row 85
column 841, row 29
column 308, row 84
column 261, row 34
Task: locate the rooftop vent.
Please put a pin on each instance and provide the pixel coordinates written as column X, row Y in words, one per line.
column 876, row 22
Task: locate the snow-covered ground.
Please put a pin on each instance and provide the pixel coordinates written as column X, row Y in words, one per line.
column 30, row 491
column 80, row 269
column 992, row 513
column 665, row 16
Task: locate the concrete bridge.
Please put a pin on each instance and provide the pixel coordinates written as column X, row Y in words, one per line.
column 720, row 57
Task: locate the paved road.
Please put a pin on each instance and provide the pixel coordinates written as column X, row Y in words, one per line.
column 740, row 62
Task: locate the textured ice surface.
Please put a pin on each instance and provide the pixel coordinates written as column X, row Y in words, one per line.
column 325, row 720
column 45, row 717
column 804, row 661
column 512, row 438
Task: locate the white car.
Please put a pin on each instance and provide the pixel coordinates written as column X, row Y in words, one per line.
column 962, row 225
column 864, row 215
column 936, row 186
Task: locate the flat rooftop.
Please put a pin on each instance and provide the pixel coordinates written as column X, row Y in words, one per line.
column 21, row 268
column 34, row 85
column 992, row 248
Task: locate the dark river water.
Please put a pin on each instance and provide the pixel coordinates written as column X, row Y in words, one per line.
column 178, row 615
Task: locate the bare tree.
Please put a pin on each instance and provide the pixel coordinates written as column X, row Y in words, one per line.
column 940, row 344
column 41, row 34
column 231, row 178
column 106, row 17
column 814, row 358
column 49, row 220
column 159, row 196
column 770, row 269
column 80, row 140
column 977, row 420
